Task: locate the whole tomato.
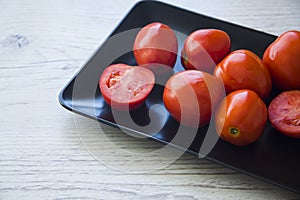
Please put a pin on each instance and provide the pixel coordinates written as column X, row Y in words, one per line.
column 241, row 117
column 191, row 96
column 282, row 58
column 125, row 87
column 156, row 43
column 242, row 69
column 204, row 48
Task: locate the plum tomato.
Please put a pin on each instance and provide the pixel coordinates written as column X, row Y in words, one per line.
column 241, row 117
column 156, row 43
column 284, row 113
column 242, row 69
column 203, row 49
column 282, row 58
column 125, row 87
column 191, row 96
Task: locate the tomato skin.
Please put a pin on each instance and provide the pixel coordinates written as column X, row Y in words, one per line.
column 242, row 69
column 282, row 58
column 241, row 117
column 191, row 96
column 156, row 43
column 284, row 113
column 125, row 87
column 204, row 48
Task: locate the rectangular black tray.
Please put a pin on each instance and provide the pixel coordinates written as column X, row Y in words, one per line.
column 274, row 158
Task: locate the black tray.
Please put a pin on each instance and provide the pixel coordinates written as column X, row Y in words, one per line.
column 274, row 158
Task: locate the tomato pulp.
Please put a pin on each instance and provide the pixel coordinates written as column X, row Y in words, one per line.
column 125, row 87
column 284, row 113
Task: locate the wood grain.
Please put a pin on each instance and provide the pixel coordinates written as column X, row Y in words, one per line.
column 42, row 156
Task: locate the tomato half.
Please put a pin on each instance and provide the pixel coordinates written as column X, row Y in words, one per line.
column 241, row 117
column 284, row 113
column 242, row 69
column 282, row 58
column 156, row 43
column 204, row 48
column 125, row 87
column 191, row 96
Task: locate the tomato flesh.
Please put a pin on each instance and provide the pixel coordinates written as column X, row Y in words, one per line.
column 125, row 87
column 284, row 113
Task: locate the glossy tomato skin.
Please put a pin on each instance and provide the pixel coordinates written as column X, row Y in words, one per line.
column 241, row 117
column 191, row 96
column 156, row 43
column 282, row 58
column 125, row 87
column 204, row 48
column 284, row 113
column 242, row 69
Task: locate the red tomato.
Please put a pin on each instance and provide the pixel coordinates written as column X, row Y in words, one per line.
column 125, row 87
column 282, row 58
column 156, row 43
column 241, row 117
column 205, row 48
column 191, row 96
column 284, row 113
column 242, row 69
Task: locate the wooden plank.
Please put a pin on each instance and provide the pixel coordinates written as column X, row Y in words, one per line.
column 42, row 156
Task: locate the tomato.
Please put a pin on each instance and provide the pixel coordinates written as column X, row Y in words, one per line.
column 125, row 87
column 282, row 58
column 156, row 43
column 241, row 117
column 284, row 113
column 191, row 96
column 242, row 69
column 204, row 48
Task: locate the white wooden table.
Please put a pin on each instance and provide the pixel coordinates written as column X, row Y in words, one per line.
column 42, row 156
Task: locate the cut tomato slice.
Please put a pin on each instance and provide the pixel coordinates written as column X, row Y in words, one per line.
column 125, row 87
column 284, row 113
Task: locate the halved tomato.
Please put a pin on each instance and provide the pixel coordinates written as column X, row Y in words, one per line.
column 125, row 87
column 284, row 113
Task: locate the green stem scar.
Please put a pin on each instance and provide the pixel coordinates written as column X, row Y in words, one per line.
column 234, row 131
